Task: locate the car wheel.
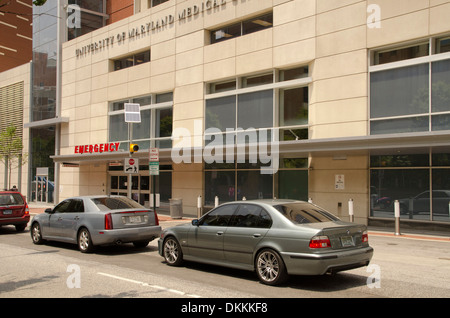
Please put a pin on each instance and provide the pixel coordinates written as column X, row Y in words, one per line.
column 84, row 241
column 270, row 267
column 36, row 234
column 140, row 244
column 172, row 252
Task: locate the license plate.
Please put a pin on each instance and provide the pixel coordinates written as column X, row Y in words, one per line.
column 135, row 219
column 347, row 241
column 7, row 212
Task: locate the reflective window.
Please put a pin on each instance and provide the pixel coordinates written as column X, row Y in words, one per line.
column 249, row 215
column 132, row 60
column 406, row 53
column 242, row 28
column 411, row 95
column 219, row 216
column 402, row 91
column 154, row 3
column 155, row 128
column 255, row 110
column 440, row 86
column 302, row 213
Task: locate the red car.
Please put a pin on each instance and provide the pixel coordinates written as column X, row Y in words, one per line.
column 14, row 210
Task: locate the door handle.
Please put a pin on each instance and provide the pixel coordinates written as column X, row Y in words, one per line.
column 256, row 235
column 60, row 219
column 76, row 218
column 219, row 233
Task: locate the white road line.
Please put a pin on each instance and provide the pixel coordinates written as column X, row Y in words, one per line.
column 173, row 291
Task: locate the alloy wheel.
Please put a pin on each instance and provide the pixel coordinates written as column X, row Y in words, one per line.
column 270, row 268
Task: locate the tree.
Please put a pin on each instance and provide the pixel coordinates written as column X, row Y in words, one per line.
column 11, row 147
column 38, row 3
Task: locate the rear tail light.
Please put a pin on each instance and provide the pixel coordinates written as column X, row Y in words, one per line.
column 320, row 242
column 108, row 222
column 27, row 210
column 156, row 218
column 365, row 237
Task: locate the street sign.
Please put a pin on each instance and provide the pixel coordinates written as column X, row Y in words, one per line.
column 154, row 155
column 132, row 113
column 154, row 168
column 131, row 165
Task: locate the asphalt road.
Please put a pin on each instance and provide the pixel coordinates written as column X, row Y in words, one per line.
column 402, row 267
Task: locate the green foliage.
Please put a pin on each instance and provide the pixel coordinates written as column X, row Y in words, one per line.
column 39, row 2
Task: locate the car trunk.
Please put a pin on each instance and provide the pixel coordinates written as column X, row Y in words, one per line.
column 133, row 218
column 341, row 235
column 11, row 211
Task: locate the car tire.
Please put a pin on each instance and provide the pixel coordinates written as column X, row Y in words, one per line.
column 172, row 252
column 84, row 241
column 270, row 267
column 36, row 234
column 140, row 244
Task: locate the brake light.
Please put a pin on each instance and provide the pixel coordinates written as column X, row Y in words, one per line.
column 108, row 222
column 156, row 218
column 27, row 210
column 365, row 237
column 320, row 242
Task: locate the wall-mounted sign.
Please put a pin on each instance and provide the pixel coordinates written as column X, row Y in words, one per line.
column 98, row 148
column 151, row 26
column 339, row 182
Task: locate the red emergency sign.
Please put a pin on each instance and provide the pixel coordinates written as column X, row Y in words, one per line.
column 98, row 148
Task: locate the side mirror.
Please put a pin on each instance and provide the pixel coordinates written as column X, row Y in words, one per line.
column 50, row 211
column 195, row 222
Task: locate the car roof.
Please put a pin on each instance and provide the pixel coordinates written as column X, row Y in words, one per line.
column 271, row 202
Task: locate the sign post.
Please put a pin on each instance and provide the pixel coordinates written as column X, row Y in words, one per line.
column 153, row 167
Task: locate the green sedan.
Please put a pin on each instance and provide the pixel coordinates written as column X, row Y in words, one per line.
column 275, row 238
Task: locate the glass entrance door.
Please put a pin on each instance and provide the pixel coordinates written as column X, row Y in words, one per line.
column 141, row 187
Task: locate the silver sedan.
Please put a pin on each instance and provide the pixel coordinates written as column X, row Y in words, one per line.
column 275, row 238
column 96, row 220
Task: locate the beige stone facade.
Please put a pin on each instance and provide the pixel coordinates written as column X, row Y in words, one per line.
column 15, row 103
column 333, row 38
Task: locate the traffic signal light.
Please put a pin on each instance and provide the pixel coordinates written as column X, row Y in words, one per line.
column 134, row 148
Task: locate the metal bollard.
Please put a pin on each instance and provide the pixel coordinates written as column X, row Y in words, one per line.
column 350, row 210
column 216, row 201
column 397, row 217
column 199, row 206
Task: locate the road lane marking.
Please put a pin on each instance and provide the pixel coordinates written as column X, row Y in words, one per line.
column 173, row 291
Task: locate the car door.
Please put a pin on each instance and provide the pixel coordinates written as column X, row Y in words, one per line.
column 247, row 228
column 53, row 228
column 69, row 219
column 206, row 240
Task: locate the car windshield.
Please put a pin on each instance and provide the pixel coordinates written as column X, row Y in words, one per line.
column 11, row 199
column 115, row 203
column 301, row 213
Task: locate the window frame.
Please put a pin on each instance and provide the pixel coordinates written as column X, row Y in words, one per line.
column 434, row 56
column 153, row 140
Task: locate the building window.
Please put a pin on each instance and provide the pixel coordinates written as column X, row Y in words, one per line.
column 420, row 182
column 245, row 107
column 93, row 17
column 242, row 28
column 155, row 129
column 132, row 60
column 154, row 3
column 410, row 90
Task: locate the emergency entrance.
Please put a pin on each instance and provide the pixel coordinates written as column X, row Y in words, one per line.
column 141, row 186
